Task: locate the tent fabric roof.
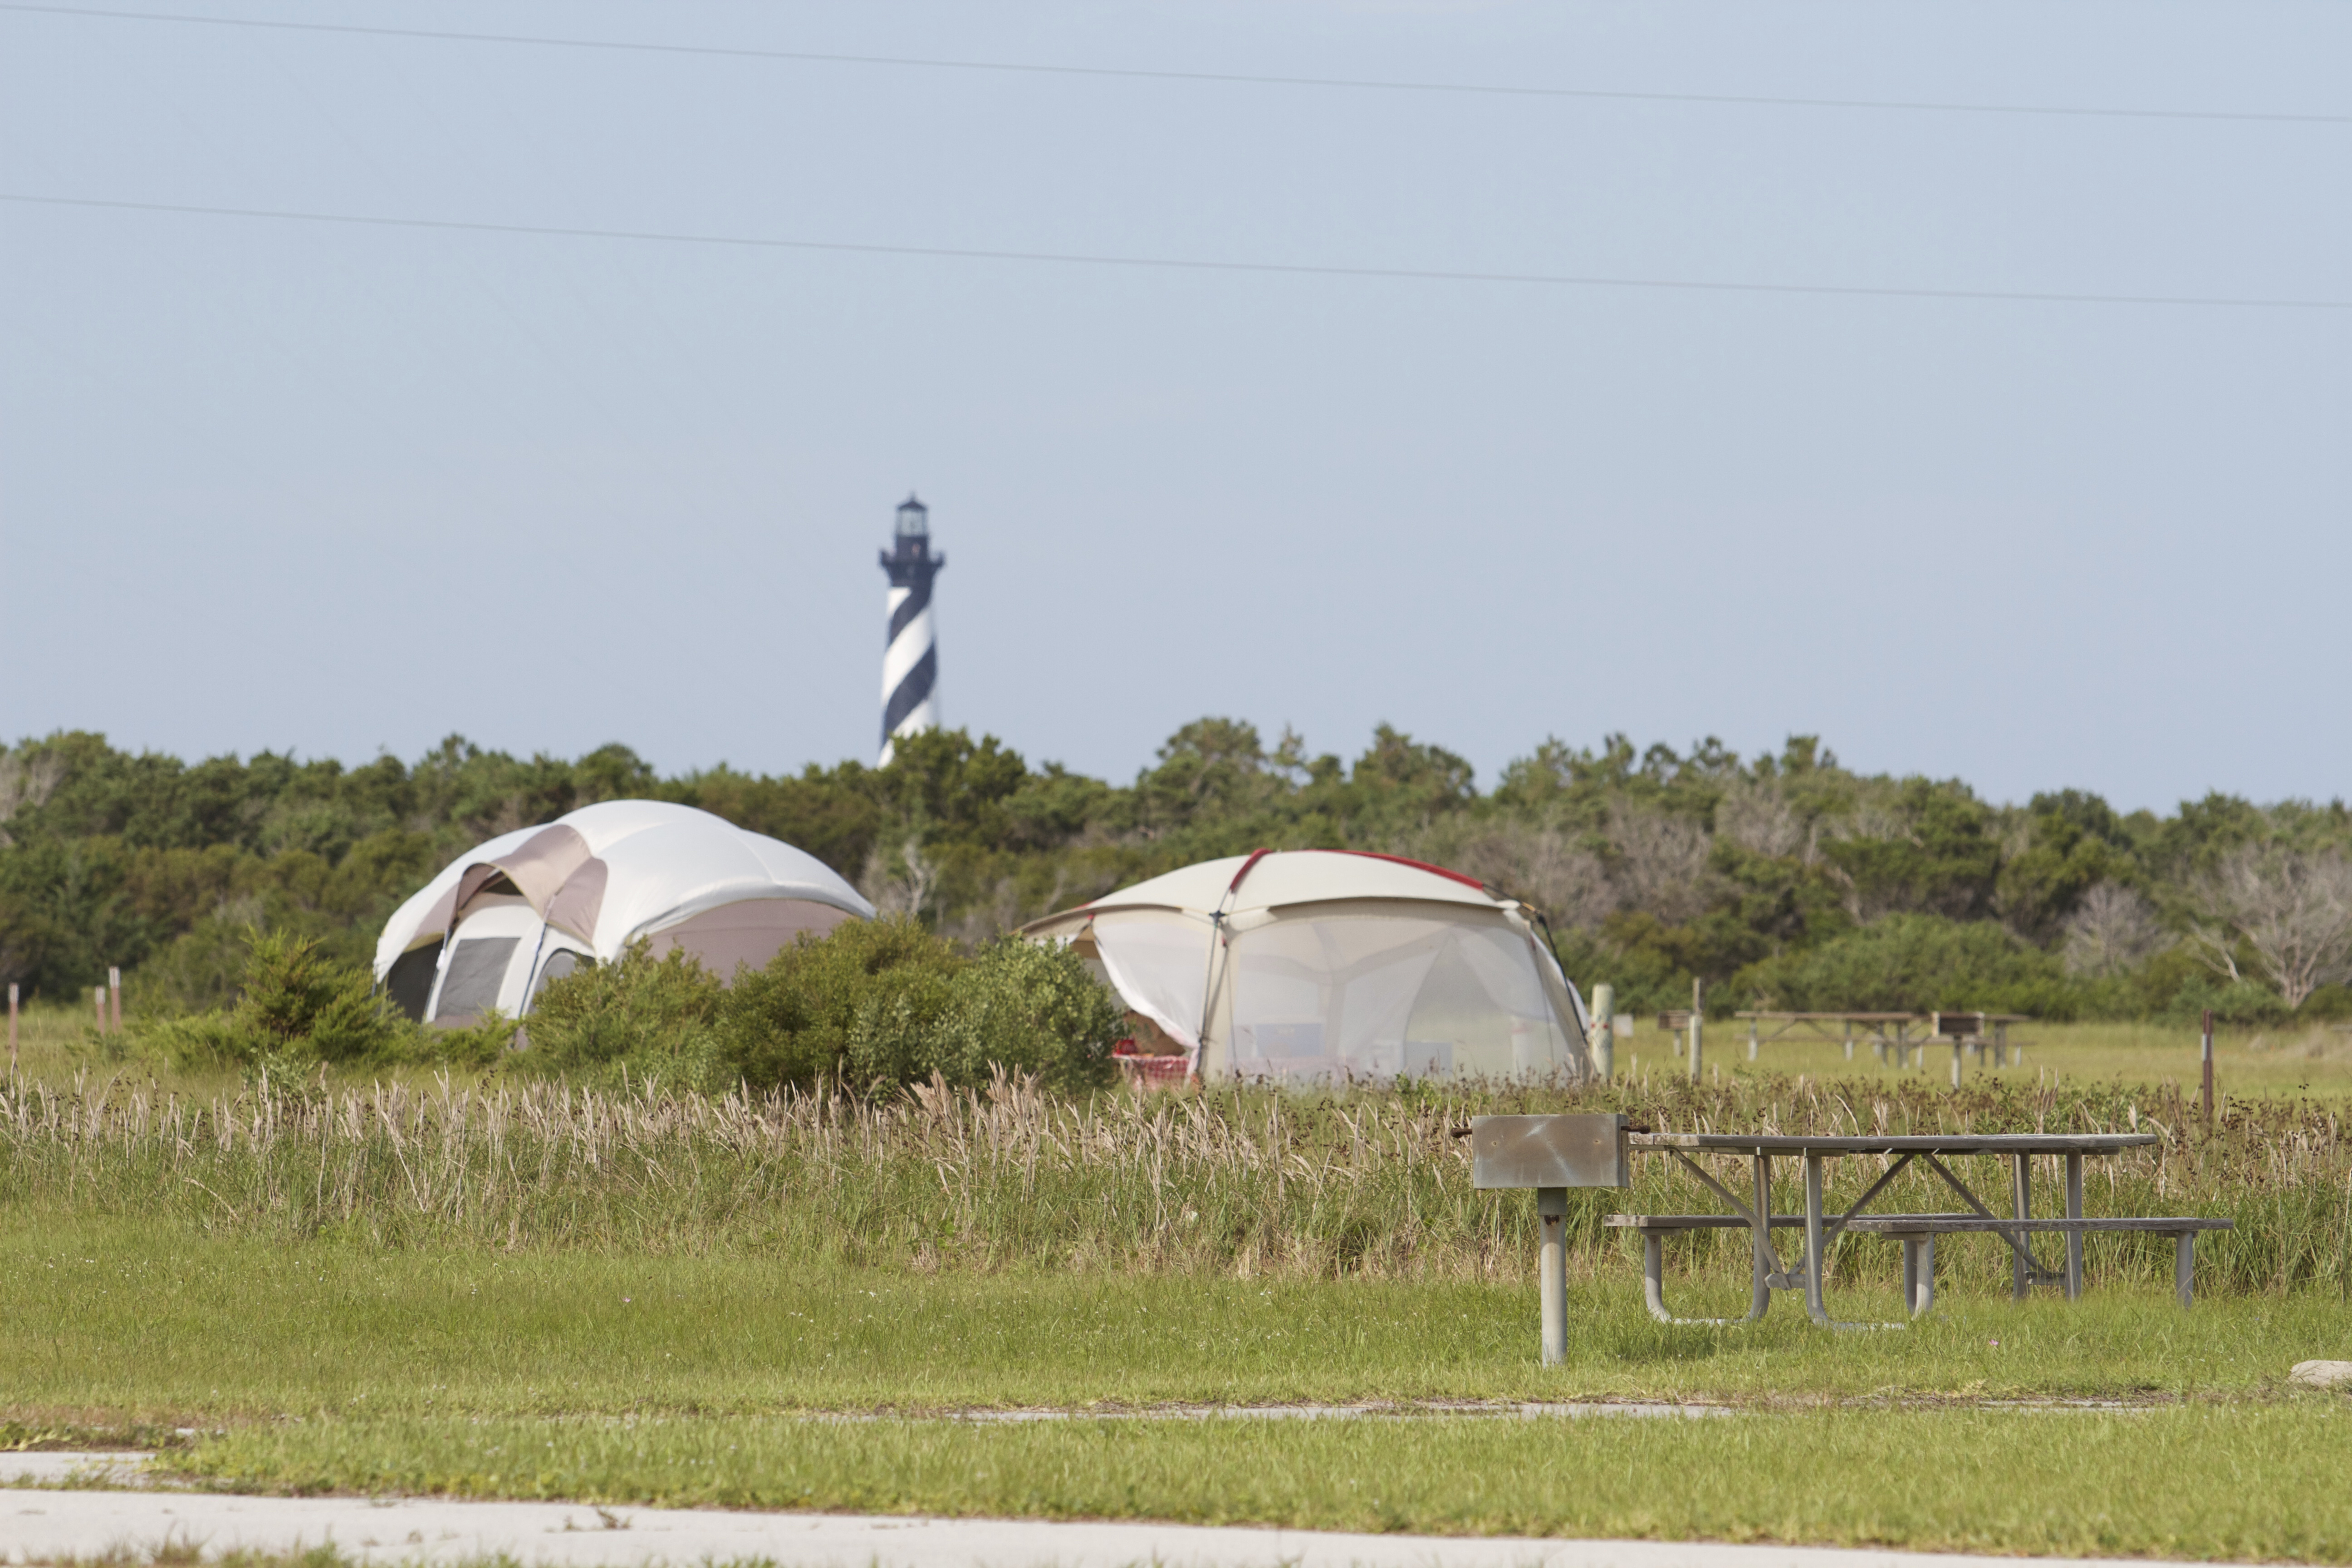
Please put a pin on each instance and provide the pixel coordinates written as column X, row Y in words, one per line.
column 1271, row 879
column 613, row 872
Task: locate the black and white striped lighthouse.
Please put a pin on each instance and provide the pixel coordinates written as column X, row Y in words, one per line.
column 911, row 662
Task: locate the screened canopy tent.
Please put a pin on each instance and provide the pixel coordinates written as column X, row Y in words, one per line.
column 509, row 916
column 1333, row 966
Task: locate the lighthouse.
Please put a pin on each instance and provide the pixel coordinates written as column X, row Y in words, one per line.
column 910, row 660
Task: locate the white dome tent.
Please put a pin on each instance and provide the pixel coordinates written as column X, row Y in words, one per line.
column 509, row 916
column 1320, row 965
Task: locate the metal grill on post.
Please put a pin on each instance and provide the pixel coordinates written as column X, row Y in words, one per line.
column 1550, row 1154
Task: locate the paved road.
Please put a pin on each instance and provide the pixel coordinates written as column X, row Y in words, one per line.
column 45, row 1526
column 48, row 1526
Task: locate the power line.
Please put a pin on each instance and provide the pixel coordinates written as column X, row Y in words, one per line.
column 1079, row 259
column 1231, row 78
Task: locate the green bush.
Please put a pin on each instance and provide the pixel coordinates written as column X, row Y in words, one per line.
column 2239, row 1002
column 1034, row 1009
column 874, row 1002
column 295, row 1008
column 643, row 1017
column 2327, row 1004
column 1913, row 963
column 865, row 1001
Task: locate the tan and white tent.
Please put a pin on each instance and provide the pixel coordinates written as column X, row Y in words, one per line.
column 509, row 916
column 1332, row 966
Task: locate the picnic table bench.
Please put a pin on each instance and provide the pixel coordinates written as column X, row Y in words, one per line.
column 1553, row 1153
column 1916, row 1232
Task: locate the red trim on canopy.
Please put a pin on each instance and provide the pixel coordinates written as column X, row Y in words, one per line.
column 1255, row 856
column 1416, row 865
column 1258, row 854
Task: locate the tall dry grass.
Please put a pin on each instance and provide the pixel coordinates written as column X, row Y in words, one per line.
column 1229, row 1181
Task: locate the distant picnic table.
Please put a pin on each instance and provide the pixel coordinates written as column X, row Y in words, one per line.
column 1916, row 1232
column 1902, row 1036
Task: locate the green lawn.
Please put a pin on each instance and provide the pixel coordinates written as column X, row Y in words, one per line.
column 122, row 1322
column 2298, row 1058
column 2190, row 1482
column 537, row 1295
column 743, row 1381
column 57, row 1042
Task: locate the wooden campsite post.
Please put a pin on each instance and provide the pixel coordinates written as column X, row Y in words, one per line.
column 1604, row 1031
column 115, row 999
column 1695, row 1003
column 2207, row 1053
column 97, row 996
column 12, row 1028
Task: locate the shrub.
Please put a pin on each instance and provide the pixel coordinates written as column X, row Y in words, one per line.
column 2239, row 1002
column 874, row 1002
column 295, row 1008
column 865, row 1001
column 1032, row 1009
column 1915, row 963
column 2327, row 1004
column 643, row 1017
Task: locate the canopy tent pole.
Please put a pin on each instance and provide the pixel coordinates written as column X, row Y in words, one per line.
column 1216, row 952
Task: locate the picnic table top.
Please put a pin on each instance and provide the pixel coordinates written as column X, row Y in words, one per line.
column 1886, row 1018
column 1838, row 1017
column 1928, row 1144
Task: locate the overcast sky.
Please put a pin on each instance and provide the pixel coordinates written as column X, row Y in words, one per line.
column 337, row 489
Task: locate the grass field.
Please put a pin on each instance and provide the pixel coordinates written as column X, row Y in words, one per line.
column 121, row 1324
column 2190, row 1482
column 335, row 1365
column 56, row 1042
column 2310, row 1059
column 496, row 1289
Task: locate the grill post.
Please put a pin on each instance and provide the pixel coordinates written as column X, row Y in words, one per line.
column 1552, row 1272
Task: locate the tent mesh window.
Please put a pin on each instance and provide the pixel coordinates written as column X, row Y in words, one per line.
column 1376, row 998
column 562, row 962
column 409, row 983
column 476, row 967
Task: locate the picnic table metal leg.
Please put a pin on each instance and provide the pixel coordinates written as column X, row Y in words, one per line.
column 1653, row 1289
column 1653, row 1276
column 2184, row 1266
column 2074, row 1237
column 1761, row 1233
column 2021, row 1203
column 1551, row 1272
column 1815, row 1307
column 1919, row 1274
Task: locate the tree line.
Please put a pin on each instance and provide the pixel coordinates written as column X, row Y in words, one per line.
column 1783, row 880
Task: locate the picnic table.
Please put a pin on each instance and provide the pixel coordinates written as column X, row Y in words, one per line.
column 1916, row 1232
column 1903, row 1036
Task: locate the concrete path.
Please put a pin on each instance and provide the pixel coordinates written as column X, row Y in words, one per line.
column 46, row 1526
